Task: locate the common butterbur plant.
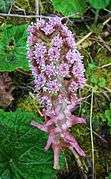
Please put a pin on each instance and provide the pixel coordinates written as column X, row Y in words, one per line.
column 58, row 72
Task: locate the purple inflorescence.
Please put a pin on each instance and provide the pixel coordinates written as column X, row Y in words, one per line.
column 59, row 72
column 64, row 69
column 57, row 41
column 53, row 54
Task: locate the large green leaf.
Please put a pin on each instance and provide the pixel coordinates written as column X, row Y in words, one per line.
column 22, row 154
column 99, row 4
column 13, row 48
column 69, row 7
column 5, row 5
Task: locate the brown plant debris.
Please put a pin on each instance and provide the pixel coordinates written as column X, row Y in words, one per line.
column 6, row 89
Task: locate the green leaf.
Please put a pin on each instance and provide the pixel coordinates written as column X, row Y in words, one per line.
column 108, row 116
column 99, row 4
column 22, row 152
column 109, row 177
column 102, row 82
column 91, row 66
column 5, row 5
column 13, row 48
column 94, row 79
column 70, row 7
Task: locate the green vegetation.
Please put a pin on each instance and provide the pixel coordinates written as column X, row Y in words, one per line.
column 22, row 152
column 13, row 48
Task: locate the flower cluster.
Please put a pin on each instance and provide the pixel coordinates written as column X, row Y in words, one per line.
column 58, row 70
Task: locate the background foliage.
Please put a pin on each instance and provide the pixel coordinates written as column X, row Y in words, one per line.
column 5, row 5
column 22, row 152
column 13, row 47
column 75, row 7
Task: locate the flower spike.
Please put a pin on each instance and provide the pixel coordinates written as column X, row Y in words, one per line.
column 58, row 72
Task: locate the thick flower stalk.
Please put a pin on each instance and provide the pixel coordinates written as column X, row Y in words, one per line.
column 58, row 70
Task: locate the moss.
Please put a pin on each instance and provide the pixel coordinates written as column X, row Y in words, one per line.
column 103, row 57
column 28, row 104
column 27, row 5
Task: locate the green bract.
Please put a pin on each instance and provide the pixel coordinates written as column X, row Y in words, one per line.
column 13, row 48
